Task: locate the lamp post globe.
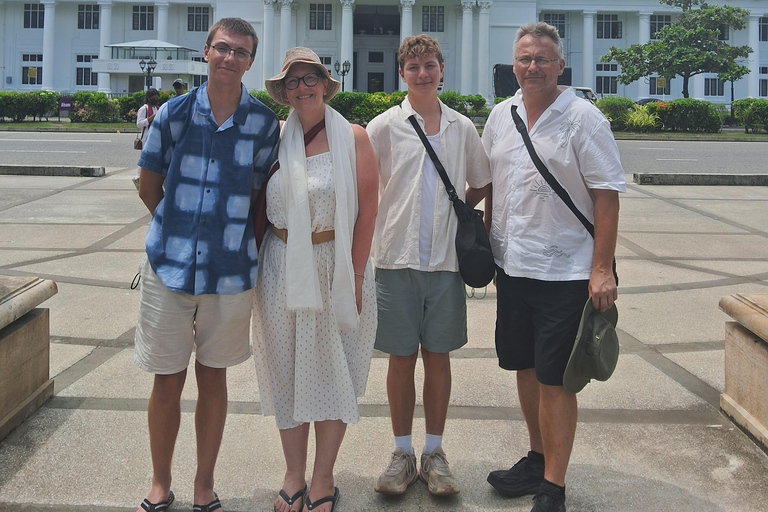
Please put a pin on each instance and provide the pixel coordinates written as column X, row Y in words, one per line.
column 342, row 70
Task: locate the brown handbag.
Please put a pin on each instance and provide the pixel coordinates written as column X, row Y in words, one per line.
column 259, row 213
column 137, row 142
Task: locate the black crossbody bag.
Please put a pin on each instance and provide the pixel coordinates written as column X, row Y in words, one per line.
column 552, row 181
column 473, row 248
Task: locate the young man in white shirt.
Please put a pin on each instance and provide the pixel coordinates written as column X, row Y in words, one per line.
column 421, row 300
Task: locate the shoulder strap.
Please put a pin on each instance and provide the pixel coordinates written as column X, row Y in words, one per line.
column 308, row 137
column 551, row 180
column 431, row 152
column 561, row 192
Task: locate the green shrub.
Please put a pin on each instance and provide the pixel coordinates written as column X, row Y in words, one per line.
column 94, row 107
column 129, row 104
column 346, row 102
column 280, row 110
column 616, row 110
column 752, row 113
column 43, row 104
column 640, row 119
column 690, row 115
column 14, row 105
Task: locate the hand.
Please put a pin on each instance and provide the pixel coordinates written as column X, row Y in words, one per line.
column 602, row 289
column 359, row 293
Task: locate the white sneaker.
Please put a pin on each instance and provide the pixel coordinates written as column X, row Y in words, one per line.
column 400, row 473
column 437, row 475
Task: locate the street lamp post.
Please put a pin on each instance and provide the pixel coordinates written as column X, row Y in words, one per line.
column 342, row 70
column 149, row 67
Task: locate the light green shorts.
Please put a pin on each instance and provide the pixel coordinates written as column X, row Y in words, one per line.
column 416, row 307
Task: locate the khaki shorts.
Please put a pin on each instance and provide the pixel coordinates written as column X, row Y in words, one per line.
column 420, row 308
column 172, row 324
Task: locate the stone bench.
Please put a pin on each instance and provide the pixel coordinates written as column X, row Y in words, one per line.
column 24, row 349
column 745, row 399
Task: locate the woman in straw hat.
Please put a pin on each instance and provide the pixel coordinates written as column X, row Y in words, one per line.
column 314, row 318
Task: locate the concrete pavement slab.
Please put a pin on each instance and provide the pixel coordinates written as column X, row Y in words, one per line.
column 42, row 236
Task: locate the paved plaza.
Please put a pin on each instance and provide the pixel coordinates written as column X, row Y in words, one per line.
column 652, row 438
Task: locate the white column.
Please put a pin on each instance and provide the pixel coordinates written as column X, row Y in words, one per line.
column 285, row 26
column 406, row 27
column 753, row 79
column 105, row 38
column 267, row 40
column 346, row 37
column 484, row 51
column 643, row 36
column 162, row 21
column 588, row 55
column 49, row 44
column 295, row 23
column 214, row 19
column 466, row 45
column 695, row 87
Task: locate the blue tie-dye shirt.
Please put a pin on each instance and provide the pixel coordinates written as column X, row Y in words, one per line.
column 200, row 240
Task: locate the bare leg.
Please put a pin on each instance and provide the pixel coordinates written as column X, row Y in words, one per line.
column 329, row 435
column 437, row 390
column 558, row 412
column 401, row 392
column 528, row 393
column 294, row 441
column 210, row 416
column 164, row 417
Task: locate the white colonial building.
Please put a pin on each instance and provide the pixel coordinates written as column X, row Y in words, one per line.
column 68, row 45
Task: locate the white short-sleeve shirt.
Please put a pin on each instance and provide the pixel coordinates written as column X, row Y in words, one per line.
column 401, row 156
column 534, row 234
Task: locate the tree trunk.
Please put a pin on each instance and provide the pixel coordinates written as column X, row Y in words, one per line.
column 685, row 85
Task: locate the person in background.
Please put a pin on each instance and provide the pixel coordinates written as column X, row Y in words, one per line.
column 197, row 283
column 421, row 296
column 144, row 118
column 314, row 315
column 178, row 87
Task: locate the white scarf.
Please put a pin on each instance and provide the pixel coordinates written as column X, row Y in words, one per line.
column 302, row 283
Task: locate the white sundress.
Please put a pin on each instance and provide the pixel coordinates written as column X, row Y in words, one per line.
column 308, row 371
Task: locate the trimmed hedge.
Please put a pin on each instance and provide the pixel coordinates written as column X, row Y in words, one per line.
column 752, row 113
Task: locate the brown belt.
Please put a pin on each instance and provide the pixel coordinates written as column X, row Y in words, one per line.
column 318, row 237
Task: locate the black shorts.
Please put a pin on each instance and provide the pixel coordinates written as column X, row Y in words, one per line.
column 536, row 324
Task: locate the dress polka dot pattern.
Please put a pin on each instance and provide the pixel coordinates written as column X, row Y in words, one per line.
column 306, row 368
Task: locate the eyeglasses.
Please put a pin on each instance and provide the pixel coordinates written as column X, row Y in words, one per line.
column 541, row 62
column 222, row 50
column 310, row 80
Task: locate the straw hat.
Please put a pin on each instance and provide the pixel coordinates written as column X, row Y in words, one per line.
column 275, row 86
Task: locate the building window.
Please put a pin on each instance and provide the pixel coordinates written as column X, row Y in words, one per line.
column 659, row 86
column 320, row 16
column 197, row 80
column 557, row 20
column 763, row 29
column 143, row 17
column 83, row 72
column 725, row 33
column 608, row 26
column 31, row 74
column 606, row 80
column 375, row 57
column 88, row 16
column 433, row 18
column 198, row 19
column 714, row 87
column 659, row 21
column 34, row 15
column 326, row 61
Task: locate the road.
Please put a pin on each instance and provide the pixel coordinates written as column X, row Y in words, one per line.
column 116, row 150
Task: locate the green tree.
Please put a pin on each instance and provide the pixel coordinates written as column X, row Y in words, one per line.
column 688, row 47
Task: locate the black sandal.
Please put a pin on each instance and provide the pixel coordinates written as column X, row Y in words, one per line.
column 332, row 499
column 290, row 500
column 214, row 505
column 160, row 506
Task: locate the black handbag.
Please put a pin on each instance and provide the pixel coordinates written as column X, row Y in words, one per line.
column 473, row 248
column 552, row 181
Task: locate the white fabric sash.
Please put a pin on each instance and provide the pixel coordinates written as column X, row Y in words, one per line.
column 302, row 283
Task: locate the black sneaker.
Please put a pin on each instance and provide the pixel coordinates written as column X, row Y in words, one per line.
column 549, row 499
column 523, row 478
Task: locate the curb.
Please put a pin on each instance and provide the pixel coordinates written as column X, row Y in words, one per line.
column 53, row 170
column 742, row 180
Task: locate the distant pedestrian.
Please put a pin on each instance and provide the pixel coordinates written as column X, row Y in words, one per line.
column 178, row 87
column 207, row 153
column 548, row 263
column 144, row 118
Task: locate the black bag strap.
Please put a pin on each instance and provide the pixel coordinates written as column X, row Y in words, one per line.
column 552, row 181
column 439, row 166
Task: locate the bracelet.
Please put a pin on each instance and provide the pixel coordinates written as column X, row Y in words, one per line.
column 359, row 275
